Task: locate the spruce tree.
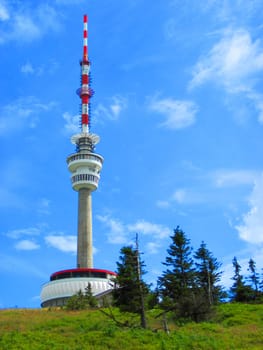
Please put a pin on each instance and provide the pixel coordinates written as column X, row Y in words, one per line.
column 239, row 291
column 89, row 297
column 178, row 285
column 179, row 276
column 261, row 282
column 129, row 286
column 81, row 301
column 76, row 301
column 253, row 278
column 208, row 274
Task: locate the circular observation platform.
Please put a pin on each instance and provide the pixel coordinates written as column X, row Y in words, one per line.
column 85, row 170
column 66, row 283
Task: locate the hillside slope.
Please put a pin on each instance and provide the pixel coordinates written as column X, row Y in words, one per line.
column 236, row 326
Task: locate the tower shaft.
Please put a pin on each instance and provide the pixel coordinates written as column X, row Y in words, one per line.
column 84, row 252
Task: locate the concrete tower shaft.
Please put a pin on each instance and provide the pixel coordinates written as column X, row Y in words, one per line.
column 84, row 251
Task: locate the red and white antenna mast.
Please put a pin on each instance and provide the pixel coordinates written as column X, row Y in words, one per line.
column 85, row 38
column 85, row 92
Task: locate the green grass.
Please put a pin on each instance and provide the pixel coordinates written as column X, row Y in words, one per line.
column 235, row 326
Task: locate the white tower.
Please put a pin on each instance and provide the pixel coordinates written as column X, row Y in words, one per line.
column 85, row 166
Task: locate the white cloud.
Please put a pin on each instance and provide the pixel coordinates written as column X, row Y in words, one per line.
column 117, row 233
column 257, row 99
column 26, row 245
column 162, row 204
column 120, row 233
column 251, row 228
column 25, row 28
column 227, row 62
column 27, row 111
column 230, row 11
column 117, row 105
column 190, row 196
column 48, row 18
column 28, row 24
column 66, row 244
column 43, row 206
column 206, row 188
column 148, row 228
column 230, row 178
column 112, row 111
column 153, row 247
column 235, row 63
column 214, row 13
column 30, row 231
column 178, row 113
column 4, row 13
column 179, row 196
column 27, row 68
column 49, row 67
column 72, row 125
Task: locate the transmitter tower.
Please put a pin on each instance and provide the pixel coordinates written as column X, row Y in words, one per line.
column 85, row 166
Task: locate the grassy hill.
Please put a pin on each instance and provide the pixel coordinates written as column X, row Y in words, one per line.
column 235, row 326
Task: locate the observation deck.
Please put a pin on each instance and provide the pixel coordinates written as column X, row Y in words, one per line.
column 77, row 160
column 85, row 165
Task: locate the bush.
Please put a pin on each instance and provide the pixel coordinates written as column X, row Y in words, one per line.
column 81, row 301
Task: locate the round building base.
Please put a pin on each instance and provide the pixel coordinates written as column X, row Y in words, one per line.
column 66, row 283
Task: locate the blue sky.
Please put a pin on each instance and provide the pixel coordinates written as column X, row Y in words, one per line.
column 178, row 105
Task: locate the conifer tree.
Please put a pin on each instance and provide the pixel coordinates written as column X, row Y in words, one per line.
column 81, row 301
column 208, row 274
column 239, row 291
column 128, row 294
column 179, row 276
column 178, row 288
column 261, row 281
column 253, row 278
column 89, row 297
column 76, row 302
